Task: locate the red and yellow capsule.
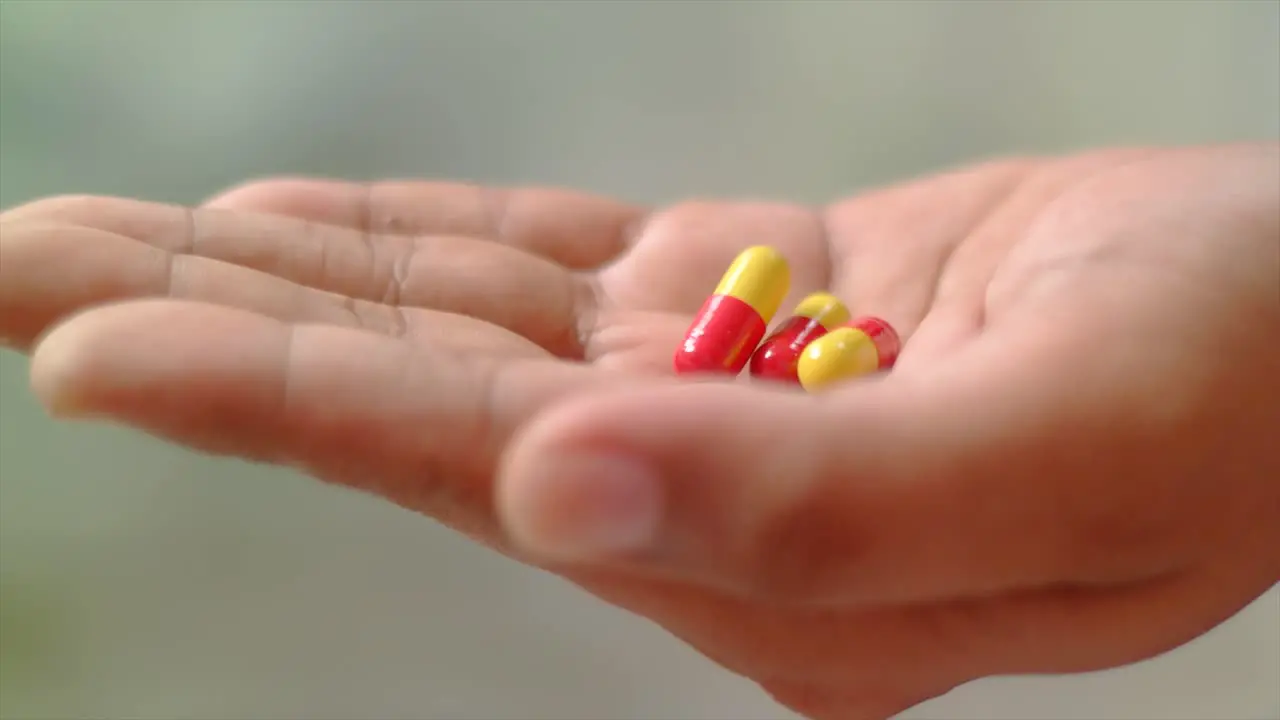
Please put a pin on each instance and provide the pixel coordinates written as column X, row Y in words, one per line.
column 734, row 319
column 863, row 346
column 778, row 355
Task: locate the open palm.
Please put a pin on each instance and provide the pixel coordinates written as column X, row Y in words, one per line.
column 392, row 335
column 396, row 336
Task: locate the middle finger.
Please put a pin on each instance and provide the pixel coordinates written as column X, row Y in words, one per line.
column 49, row 273
column 504, row 286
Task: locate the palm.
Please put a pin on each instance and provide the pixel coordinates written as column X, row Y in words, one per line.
column 395, row 339
column 481, row 305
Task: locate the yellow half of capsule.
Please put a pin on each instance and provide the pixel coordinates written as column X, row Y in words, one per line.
column 824, row 308
column 840, row 354
column 759, row 277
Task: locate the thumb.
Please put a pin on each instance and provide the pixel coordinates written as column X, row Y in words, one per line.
column 979, row 476
column 858, row 494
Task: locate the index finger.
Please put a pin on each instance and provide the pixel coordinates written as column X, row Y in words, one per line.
column 578, row 230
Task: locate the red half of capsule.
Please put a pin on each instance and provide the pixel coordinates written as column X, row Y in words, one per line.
column 722, row 337
column 778, row 355
column 886, row 339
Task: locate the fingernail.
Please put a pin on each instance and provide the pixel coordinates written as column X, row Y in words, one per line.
column 586, row 507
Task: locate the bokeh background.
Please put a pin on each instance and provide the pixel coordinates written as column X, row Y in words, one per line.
column 138, row 580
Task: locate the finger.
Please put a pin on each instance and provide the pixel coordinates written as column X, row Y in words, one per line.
column 420, row 426
column 576, row 230
column 527, row 295
column 897, row 490
column 49, row 273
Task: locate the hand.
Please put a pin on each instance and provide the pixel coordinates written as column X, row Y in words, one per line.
column 1072, row 466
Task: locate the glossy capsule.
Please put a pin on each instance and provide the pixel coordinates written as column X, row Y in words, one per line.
column 734, row 319
column 863, row 346
column 778, row 355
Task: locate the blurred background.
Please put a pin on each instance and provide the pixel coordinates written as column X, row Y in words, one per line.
column 142, row 581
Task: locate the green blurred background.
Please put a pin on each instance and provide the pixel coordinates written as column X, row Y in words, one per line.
column 141, row 581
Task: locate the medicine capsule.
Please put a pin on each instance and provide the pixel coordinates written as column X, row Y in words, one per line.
column 778, row 355
column 733, row 320
column 863, row 346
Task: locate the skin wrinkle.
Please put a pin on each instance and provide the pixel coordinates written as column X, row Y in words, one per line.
column 400, row 265
column 187, row 240
column 365, row 315
column 383, row 223
column 191, row 237
column 1049, row 213
column 982, row 220
column 436, row 487
column 399, row 322
column 371, row 245
column 322, row 258
column 170, row 273
column 629, row 235
column 857, row 226
column 348, row 304
column 581, row 311
column 496, row 206
column 568, row 346
column 587, row 314
column 401, row 260
column 365, row 208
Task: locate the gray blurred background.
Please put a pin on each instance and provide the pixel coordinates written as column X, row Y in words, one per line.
column 141, row 581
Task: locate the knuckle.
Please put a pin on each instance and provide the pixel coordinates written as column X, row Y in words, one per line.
column 376, row 318
column 403, row 256
column 425, row 207
column 495, row 203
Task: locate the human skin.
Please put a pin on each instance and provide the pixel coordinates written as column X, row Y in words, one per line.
column 1073, row 465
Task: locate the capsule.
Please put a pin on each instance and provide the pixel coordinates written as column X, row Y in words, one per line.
column 734, row 319
column 815, row 316
column 863, row 346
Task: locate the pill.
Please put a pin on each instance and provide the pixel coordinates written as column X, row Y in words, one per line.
column 778, row 354
column 733, row 320
column 863, row 346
